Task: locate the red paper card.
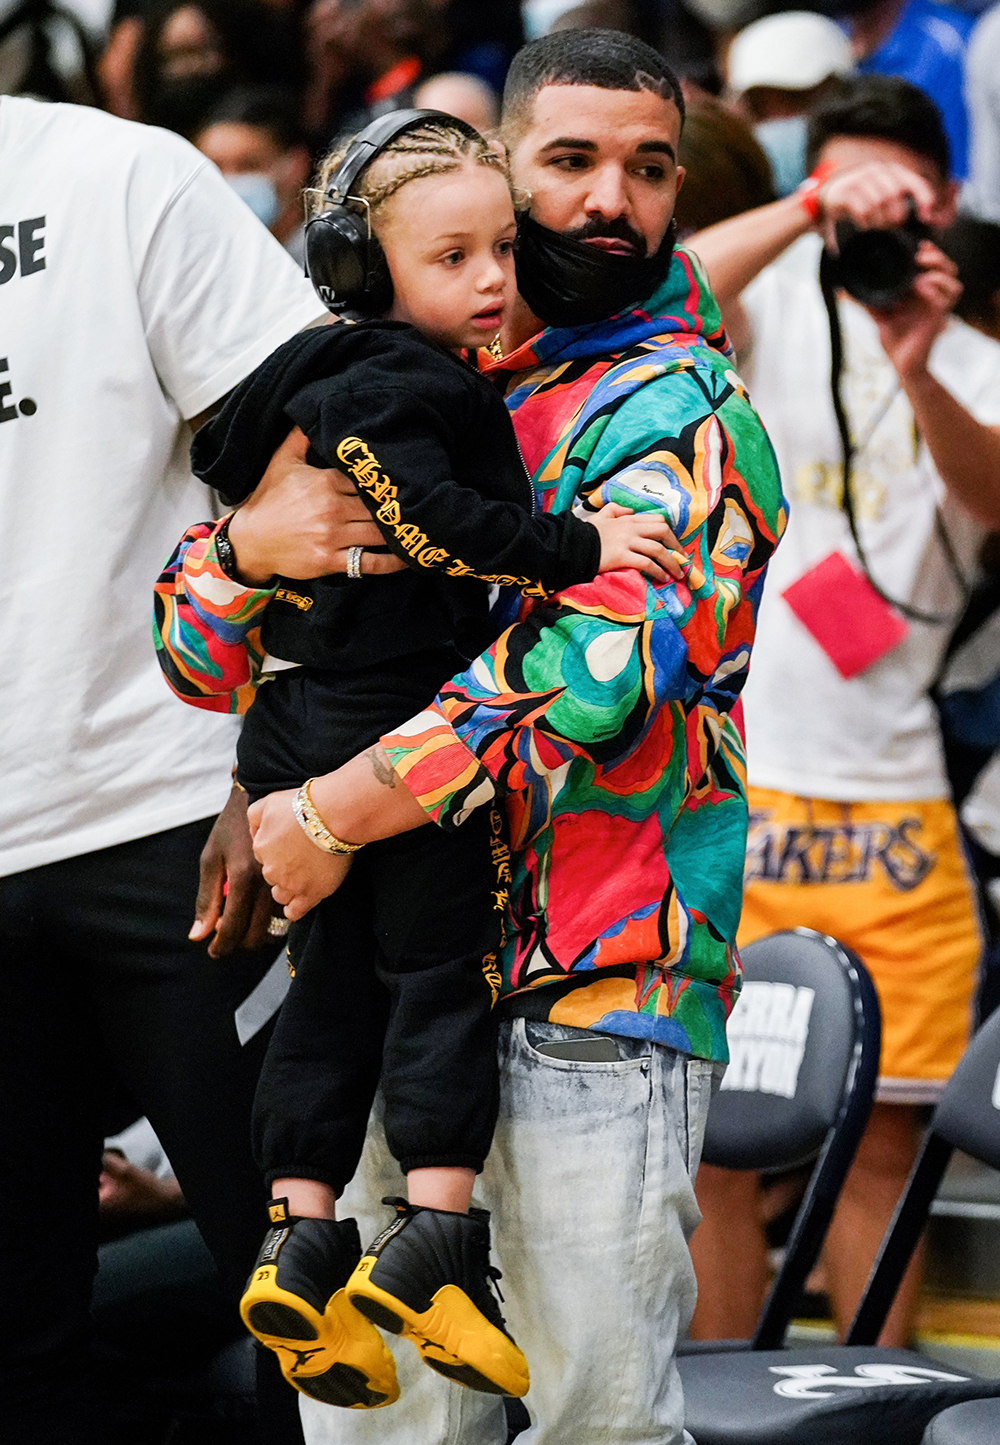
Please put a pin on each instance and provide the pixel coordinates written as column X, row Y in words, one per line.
column 844, row 613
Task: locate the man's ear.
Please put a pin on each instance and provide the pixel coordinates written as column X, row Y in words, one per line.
column 681, row 173
column 947, row 209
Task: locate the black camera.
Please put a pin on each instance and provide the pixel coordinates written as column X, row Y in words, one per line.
column 877, row 268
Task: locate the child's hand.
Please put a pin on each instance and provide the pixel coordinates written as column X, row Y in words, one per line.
column 638, row 539
column 299, row 873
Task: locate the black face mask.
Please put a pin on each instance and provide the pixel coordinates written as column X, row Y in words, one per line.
column 568, row 282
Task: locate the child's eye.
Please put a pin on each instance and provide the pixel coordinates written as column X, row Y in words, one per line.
column 453, row 258
column 505, row 247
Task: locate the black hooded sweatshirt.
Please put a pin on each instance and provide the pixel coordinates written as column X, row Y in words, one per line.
column 431, row 449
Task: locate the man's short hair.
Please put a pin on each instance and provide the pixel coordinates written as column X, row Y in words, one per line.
column 880, row 107
column 609, row 59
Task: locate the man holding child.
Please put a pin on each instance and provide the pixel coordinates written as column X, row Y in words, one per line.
column 605, row 718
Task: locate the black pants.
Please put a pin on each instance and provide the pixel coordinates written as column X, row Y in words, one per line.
column 99, row 980
column 395, row 977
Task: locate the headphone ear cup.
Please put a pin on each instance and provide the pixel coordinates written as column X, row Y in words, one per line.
column 379, row 290
column 337, row 250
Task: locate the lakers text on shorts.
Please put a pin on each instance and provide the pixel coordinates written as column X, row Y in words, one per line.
column 890, row 881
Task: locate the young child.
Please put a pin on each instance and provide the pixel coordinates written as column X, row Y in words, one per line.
column 395, row 974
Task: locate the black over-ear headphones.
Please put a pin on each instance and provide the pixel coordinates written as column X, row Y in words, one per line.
column 344, row 260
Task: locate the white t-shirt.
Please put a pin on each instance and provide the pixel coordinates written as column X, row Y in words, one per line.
column 136, row 289
column 810, row 731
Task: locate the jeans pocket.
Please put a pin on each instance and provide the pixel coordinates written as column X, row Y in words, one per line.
column 633, row 1054
column 702, row 1080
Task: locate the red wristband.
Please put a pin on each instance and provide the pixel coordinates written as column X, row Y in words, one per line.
column 807, row 194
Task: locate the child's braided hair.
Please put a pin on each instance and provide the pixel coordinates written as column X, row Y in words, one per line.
column 430, row 149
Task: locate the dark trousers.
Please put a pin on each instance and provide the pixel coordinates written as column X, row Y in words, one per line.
column 99, row 982
column 394, row 980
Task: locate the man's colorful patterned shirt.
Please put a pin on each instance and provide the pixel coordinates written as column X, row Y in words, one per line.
column 604, row 714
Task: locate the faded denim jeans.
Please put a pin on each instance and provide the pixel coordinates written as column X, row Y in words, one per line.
column 590, row 1186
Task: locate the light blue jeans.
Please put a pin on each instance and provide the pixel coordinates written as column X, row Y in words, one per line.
column 590, row 1187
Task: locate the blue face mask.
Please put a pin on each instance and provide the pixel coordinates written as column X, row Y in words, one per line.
column 785, row 144
column 259, row 193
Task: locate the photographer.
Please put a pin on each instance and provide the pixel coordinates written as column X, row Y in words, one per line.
column 851, row 828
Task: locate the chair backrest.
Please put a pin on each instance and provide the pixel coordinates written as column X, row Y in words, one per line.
column 967, row 1117
column 804, row 1044
column 796, row 1037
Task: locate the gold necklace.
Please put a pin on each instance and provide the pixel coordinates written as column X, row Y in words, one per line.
column 495, row 348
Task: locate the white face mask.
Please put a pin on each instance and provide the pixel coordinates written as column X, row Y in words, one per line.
column 538, row 15
column 784, row 141
column 259, row 192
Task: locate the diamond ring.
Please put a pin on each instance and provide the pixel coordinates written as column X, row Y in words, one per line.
column 279, row 926
column 354, row 562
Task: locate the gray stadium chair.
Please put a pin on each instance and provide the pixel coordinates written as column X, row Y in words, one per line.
column 857, row 1392
column 804, row 1048
column 977, row 1422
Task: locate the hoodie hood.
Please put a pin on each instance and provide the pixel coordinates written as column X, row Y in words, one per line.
column 564, row 386
column 682, row 312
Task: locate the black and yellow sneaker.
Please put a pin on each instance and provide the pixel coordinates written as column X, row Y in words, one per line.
column 427, row 1277
column 295, row 1304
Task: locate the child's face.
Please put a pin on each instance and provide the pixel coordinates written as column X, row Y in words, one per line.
column 449, row 241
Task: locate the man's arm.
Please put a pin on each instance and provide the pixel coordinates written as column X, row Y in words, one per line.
column 206, row 627
column 586, row 676
column 965, row 451
column 298, row 523
column 874, row 196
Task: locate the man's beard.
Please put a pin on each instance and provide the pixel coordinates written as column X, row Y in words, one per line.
column 567, row 281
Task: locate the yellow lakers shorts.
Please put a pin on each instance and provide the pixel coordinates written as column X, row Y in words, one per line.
column 890, row 881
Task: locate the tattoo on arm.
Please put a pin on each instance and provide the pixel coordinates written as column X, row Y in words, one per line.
column 381, row 766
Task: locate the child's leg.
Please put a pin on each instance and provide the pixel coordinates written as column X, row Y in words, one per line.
column 428, row 1275
column 313, row 1100
column 441, row 1188
column 438, row 932
column 306, row 1198
column 322, row 1068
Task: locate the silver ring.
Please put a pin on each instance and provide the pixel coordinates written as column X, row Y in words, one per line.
column 278, row 926
column 354, row 562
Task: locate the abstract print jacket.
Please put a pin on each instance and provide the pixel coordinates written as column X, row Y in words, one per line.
column 603, row 714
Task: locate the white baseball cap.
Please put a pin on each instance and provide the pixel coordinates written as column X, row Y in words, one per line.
column 792, row 51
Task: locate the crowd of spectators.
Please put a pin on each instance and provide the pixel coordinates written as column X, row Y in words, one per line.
column 263, row 87
column 304, row 72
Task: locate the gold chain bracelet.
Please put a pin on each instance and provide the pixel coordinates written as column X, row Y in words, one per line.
column 309, row 820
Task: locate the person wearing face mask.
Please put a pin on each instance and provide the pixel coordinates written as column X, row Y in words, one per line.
column 253, row 138
column 778, row 69
column 602, row 720
column 853, row 829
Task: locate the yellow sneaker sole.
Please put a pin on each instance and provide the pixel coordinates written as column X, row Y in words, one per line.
column 337, row 1357
column 453, row 1336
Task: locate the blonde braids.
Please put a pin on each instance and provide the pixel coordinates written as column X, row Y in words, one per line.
column 431, row 149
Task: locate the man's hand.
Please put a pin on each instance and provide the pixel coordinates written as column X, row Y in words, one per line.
column 909, row 329
column 300, row 874
column 300, row 521
column 233, row 898
column 876, row 196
